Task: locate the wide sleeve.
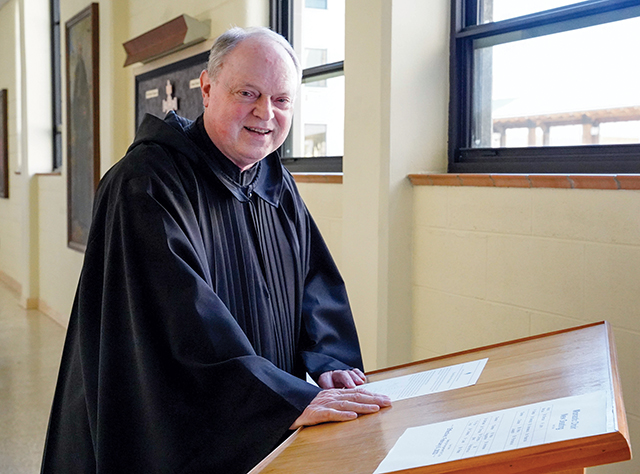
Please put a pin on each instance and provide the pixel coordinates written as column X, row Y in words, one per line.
column 157, row 376
column 330, row 337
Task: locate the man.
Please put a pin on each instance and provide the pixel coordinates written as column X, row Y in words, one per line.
column 206, row 293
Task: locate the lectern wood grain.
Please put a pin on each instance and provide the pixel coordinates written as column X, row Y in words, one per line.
column 535, row 369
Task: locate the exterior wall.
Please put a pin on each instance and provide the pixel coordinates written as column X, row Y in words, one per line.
column 494, row 264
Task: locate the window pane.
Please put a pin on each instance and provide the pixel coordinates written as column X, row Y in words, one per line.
column 573, row 88
column 318, row 123
column 314, row 57
column 497, row 10
column 319, row 29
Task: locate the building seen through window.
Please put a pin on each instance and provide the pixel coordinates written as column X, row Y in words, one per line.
column 573, row 88
column 315, row 140
column 318, row 122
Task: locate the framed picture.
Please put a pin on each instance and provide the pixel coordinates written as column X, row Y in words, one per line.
column 173, row 87
column 4, row 146
column 83, row 123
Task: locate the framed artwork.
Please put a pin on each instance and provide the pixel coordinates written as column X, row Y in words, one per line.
column 4, row 146
column 83, row 123
column 173, row 87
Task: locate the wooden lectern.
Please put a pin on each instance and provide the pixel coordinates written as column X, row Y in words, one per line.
column 535, row 369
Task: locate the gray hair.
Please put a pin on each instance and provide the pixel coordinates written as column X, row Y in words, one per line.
column 231, row 38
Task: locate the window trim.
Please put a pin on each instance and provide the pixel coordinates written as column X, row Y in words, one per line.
column 281, row 19
column 56, row 84
column 552, row 159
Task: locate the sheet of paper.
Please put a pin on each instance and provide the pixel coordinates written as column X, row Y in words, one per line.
column 430, row 381
column 503, row 430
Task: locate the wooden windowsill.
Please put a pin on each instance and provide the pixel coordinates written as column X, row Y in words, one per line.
column 51, row 173
column 327, row 178
column 563, row 181
column 559, row 181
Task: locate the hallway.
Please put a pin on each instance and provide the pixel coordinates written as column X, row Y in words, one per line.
column 30, row 349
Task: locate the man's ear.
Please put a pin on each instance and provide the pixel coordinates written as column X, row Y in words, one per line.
column 205, row 87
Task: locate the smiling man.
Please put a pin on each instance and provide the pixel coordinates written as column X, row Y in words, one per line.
column 207, row 293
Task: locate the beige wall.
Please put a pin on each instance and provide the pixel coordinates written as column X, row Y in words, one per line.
column 325, row 204
column 10, row 216
column 493, row 264
column 34, row 258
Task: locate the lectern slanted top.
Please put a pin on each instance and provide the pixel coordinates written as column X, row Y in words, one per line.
column 551, row 366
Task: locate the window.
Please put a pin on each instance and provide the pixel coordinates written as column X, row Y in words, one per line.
column 316, row 31
column 546, row 86
column 56, row 87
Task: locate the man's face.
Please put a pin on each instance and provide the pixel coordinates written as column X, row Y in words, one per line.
column 249, row 105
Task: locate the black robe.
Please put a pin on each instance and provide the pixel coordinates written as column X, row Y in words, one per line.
column 205, row 296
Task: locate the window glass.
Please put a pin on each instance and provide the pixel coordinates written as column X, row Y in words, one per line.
column 497, row 10
column 322, row 4
column 578, row 87
column 314, row 57
column 316, row 28
column 318, row 38
column 320, row 111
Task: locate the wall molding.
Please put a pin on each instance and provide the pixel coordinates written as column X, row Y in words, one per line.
column 559, row 181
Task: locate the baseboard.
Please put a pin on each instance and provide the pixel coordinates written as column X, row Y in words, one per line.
column 31, row 303
column 11, row 284
column 43, row 307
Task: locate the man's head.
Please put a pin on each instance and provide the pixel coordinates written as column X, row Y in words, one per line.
column 248, row 92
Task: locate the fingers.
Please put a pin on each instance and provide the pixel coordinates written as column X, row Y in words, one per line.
column 340, row 405
column 341, row 379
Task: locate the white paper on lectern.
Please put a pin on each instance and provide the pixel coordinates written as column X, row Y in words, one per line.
column 430, row 381
column 530, row 425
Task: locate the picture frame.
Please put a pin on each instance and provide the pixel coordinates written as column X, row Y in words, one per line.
column 183, row 78
column 83, row 122
column 4, row 145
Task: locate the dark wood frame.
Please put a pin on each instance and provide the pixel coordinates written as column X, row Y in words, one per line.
column 4, row 144
column 567, row 159
column 83, row 152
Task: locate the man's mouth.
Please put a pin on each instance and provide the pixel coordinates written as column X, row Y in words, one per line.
column 261, row 131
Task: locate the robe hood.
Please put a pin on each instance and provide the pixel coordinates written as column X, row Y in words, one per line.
column 172, row 132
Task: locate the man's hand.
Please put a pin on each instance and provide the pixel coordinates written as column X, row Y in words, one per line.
column 342, row 379
column 340, row 405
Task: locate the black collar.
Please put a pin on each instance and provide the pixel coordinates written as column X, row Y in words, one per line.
column 264, row 178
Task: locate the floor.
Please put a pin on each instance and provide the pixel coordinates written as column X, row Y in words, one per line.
column 30, row 349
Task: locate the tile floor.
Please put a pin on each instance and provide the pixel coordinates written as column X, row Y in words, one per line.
column 30, row 349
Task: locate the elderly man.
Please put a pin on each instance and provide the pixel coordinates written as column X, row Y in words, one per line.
column 207, row 293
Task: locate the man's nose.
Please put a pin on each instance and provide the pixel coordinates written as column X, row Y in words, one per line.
column 263, row 109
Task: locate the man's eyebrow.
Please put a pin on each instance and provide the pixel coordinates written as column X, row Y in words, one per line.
column 250, row 85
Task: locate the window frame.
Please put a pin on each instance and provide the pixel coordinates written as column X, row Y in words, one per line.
column 591, row 159
column 56, row 84
column 281, row 20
